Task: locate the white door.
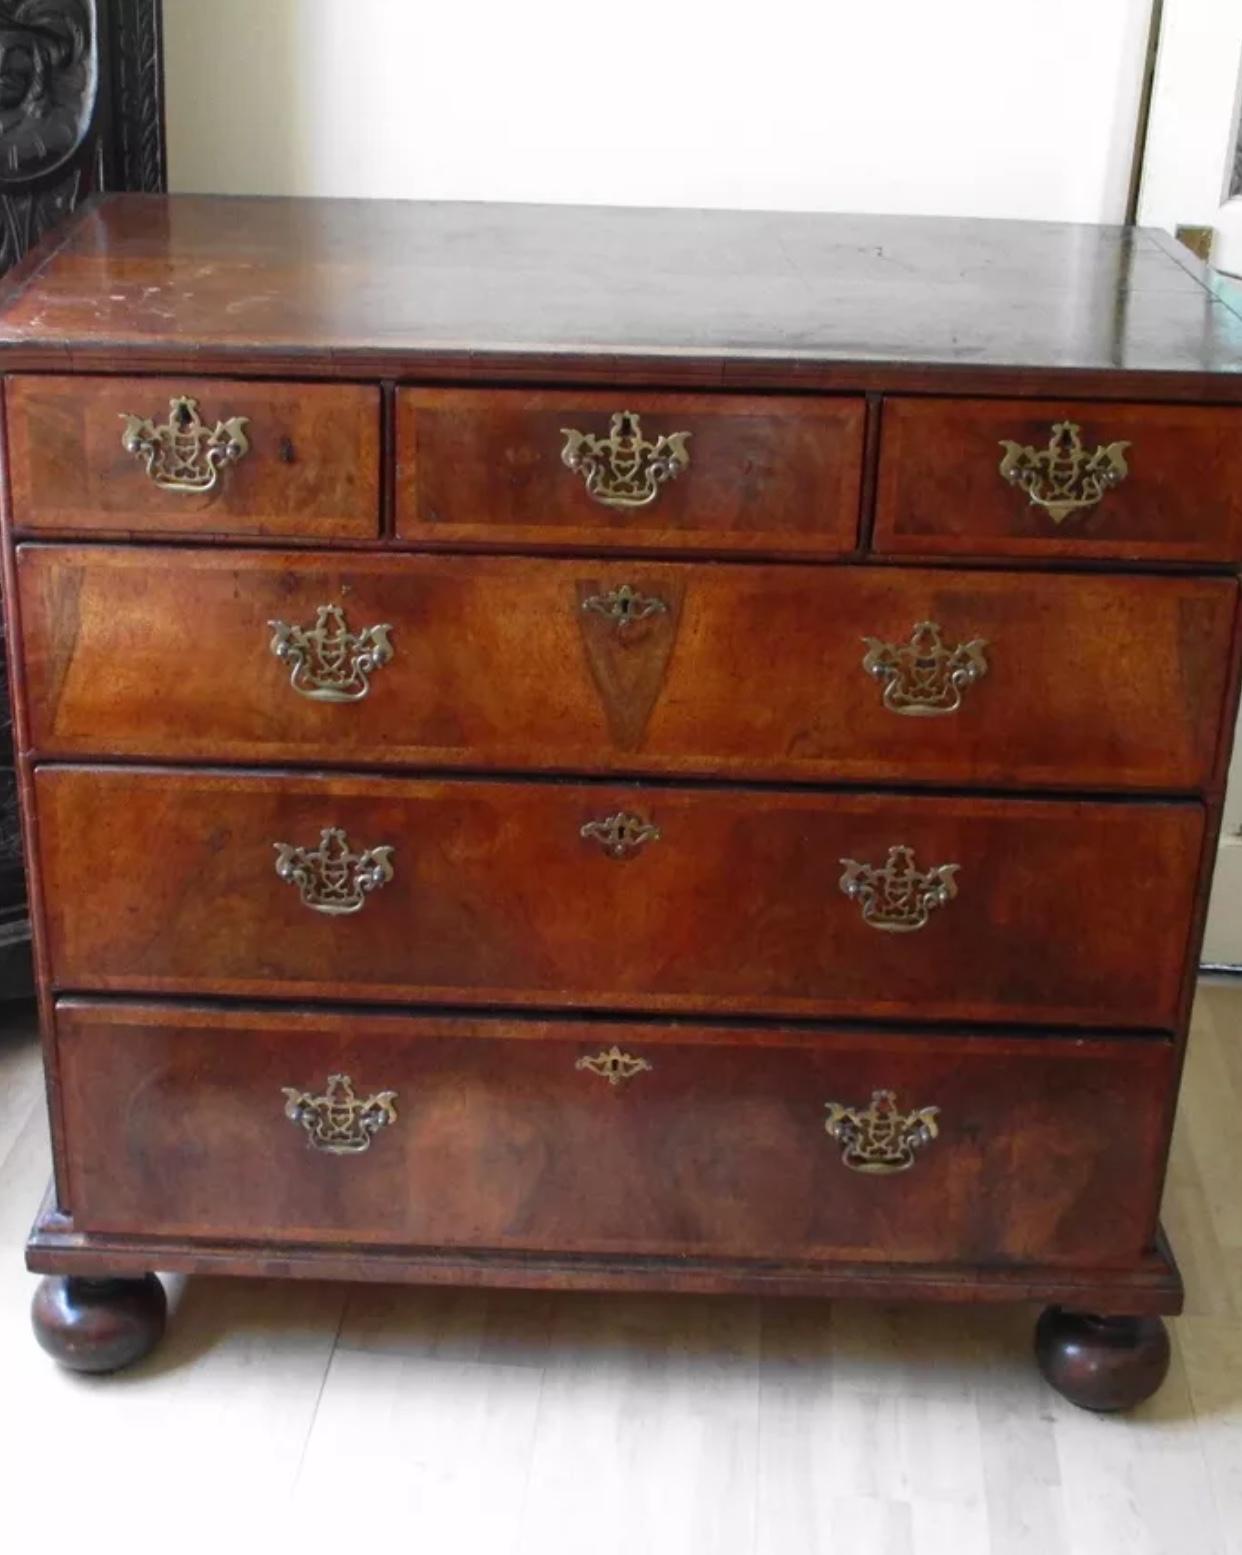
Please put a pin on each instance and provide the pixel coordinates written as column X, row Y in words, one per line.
column 1192, row 178
column 1192, row 169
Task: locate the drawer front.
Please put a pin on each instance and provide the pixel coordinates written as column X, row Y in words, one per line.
column 630, row 898
column 564, row 1136
column 842, row 674
column 633, row 471
column 1029, row 478
column 194, row 456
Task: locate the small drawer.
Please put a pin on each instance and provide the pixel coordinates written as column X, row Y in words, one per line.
column 194, row 456
column 561, row 1136
column 827, row 674
column 1033, row 478
column 685, row 472
column 608, row 897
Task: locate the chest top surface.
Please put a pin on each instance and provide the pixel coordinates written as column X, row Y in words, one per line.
column 351, row 287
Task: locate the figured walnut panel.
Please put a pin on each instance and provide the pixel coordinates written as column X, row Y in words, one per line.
column 311, row 472
column 941, row 491
column 749, row 671
column 1065, row 911
column 1046, row 1151
column 763, row 474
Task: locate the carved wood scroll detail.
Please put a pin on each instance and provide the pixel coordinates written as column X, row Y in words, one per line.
column 81, row 108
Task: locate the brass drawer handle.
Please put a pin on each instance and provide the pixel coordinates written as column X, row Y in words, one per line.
column 880, row 1139
column 1064, row 478
column 620, row 834
column 338, row 1122
column 614, row 1066
column 328, row 662
column 183, row 454
column 330, row 877
column 923, row 678
column 625, row 469
column 898, row 896
column 624, row 606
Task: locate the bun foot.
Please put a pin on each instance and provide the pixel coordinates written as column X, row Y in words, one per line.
column 98, row 1325
column 1102, row 1363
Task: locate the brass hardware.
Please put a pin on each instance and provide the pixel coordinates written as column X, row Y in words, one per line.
column 1197, row 239
column 614, row 1065
column 624, row 469
column 620, row 834
column 329, row 663
column 898, row 897
column 338, row 1122
column 923, row 678
column 1064, row 478
column 625, row 605
column 880, row 1139
column 183, row 454
column 330, row 878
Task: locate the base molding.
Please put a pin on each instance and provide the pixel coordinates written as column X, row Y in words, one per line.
column 1153, row 1286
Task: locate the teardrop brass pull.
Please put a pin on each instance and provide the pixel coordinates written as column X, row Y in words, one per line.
column 897, row 896
column 923, row 678
column 331, row 878
column 1064, row 478
column 183, row 454
column 338, row 1122
column 625, row 469
column 328, row 662
column 880, row 1139
column 614, row 1066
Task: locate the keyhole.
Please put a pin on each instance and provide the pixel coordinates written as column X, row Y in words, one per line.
column 287, row 454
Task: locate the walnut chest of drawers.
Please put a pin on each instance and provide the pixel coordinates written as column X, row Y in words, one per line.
column 618, row 749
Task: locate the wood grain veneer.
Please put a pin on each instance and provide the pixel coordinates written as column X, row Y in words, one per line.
column 940, row 492
column 765, row 473
column 498, row 898
column 311, row 472
column 751, row 672
column 718, row 1148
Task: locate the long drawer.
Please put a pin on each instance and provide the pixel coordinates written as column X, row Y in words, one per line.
column 617, row 897
column 610, row 1137
column 866, row 675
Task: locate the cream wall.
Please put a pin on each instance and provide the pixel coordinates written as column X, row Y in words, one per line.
column 981, row 107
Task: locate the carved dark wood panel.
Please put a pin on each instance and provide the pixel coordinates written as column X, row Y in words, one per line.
column 81, row 109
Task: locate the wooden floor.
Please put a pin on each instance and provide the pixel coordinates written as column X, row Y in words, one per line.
column 511, row 1423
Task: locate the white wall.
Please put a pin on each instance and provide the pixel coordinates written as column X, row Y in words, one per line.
column 985, row 107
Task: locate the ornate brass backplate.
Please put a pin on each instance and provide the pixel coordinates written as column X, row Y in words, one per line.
column 625, row 469
column 328, row 662
column 338, row 1122
column 185, row 455
column 897, row 896
column 331, row 878
column 1064, row 478
column 923, row 678
column 613, row 1065
column 880, row 1138
column 620, row 834
column 625, row 605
